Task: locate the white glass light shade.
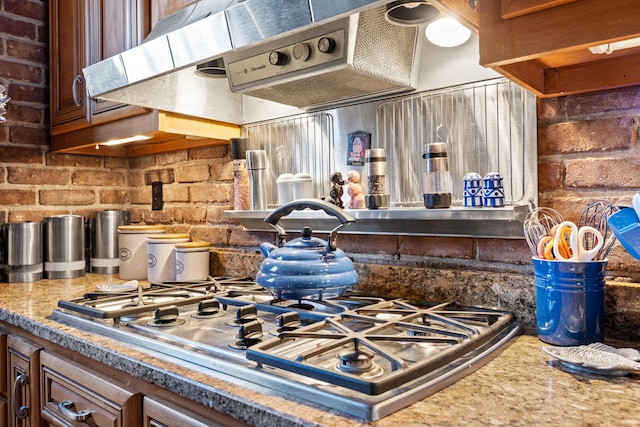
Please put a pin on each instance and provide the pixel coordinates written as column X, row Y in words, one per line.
column 447, row 32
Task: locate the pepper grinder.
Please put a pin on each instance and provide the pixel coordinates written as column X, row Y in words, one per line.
column 257, row 165
column 377, row 197
column 436, row 178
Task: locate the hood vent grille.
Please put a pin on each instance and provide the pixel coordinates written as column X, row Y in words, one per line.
column 378, row 61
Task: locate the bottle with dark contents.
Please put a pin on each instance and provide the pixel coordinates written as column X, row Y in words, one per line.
column 437, row 178
column 377, row 197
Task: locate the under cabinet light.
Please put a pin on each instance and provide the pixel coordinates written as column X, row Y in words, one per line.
column 125, row 140
column 447, row 32
column 612, row 47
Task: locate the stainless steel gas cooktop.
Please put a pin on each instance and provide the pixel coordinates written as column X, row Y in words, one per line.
column 359, row 354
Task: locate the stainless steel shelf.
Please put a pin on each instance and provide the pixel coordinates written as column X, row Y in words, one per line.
column 505, row 223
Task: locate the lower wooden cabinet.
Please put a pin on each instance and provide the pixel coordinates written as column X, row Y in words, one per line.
column 23, row 363
column 73, row 395
column 160, row 413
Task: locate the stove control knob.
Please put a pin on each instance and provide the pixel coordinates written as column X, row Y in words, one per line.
column 277, row 58
column 288, row 321
column 166, row 314
column 250, row 332
column 326, row 45
column 208, row 307
column 246, row 313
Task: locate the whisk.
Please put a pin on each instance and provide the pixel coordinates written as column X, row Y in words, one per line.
column 596, row 215
column 538, row 223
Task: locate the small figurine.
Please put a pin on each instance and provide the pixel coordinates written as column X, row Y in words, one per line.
column 335, row 196
column 354, row 190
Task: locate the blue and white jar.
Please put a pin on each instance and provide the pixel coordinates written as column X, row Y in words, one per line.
column 493, row 191
column 472, row 190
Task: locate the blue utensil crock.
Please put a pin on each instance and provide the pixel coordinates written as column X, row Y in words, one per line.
column 570, row 301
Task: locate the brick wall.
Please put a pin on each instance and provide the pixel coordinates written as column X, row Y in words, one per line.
column 587, row 144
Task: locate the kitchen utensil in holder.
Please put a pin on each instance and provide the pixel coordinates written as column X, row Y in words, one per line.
column 570, row 301
column 436, row 178
column 377, row 197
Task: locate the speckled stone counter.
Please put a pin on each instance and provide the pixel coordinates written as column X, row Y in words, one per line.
column 522, row 386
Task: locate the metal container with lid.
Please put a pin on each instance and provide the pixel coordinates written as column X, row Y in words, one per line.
column 103, row 227
column 64, row 243
column 21, row 252
column 132, row 249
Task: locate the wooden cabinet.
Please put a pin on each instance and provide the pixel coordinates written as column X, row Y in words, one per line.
column 81, row 33
column 74, row 395
column 4, row 407
column 160, row 413
column 544, row 44
column 23, row 367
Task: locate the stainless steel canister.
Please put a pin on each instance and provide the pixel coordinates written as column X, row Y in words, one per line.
column 21, row 252
column 103, row 227
column 377, row 196
column 257, row 165
column 64, row 253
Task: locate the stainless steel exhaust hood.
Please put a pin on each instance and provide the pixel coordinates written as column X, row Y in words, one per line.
column 360, row 56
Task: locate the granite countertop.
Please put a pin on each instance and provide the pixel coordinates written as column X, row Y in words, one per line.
column 522, row 386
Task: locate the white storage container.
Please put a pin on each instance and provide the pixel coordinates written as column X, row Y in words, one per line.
column 161, row 258
column 132, row 249
column 192, row 261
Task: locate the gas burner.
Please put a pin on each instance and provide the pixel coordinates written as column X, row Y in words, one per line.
column 248, row 334
column 306, row 306
column 166, row 317
column 208, row 309
column 244, row 315
column 358, row 362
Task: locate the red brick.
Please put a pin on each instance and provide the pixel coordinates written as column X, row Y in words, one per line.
column 142, row 162
column 165, row 176
column 157, row 217
column 222, row 171
column 504, row 250
column 603, row 102
column 140, row 195
column 238, row 236
column 4, row 133
column 75, row 197
column 113, row 197
column 26, row 215
column 215, row 214
column 27, row 51
column 211, row 193
column 17, row 197
column 175, row 193
column 172, row 157
column 549, row 108
column 97, row 177
column 38, row 176
column 17, row 27
column 21, row 155
column 29, row 135
column 584, row 137
column 29, row 9
column 190, row 214
column 22, row 72
column 603, row 173
column 215, row 152
column 24, row 114
column 73, row 160
column 192, row 173
column 550, row 175
column 2, row 174
column 116, row 163
column 26, row 93
column 136, row 178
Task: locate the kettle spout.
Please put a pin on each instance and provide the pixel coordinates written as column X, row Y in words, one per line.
column 266, row 248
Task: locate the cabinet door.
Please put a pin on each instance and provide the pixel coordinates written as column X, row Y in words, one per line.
column 160, row 413
column 114, row 26
column 73, row 395
column 23, row 394
column 68, row 54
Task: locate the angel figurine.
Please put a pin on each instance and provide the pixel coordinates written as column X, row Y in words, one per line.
column 354, row 190
column 3, row 101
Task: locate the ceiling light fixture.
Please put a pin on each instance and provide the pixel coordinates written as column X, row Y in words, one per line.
column 612, row 47
column 410, row 12
column 447, row 32
column 125, row 140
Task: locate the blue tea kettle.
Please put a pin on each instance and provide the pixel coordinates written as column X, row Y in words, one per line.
column 307, row 267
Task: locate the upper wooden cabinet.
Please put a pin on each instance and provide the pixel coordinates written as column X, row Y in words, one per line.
column 81, row 33
column 544, row 44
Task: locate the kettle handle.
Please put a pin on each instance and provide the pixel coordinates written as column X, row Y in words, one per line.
column 315, row 204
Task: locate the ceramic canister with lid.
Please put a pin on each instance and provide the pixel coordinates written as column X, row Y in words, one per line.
column 132, row 249
column 192, row 261
column 161, row 258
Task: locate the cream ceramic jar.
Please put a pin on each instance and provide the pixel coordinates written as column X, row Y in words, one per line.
column 192, row 261
column 132, row 249
column 161, row 259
